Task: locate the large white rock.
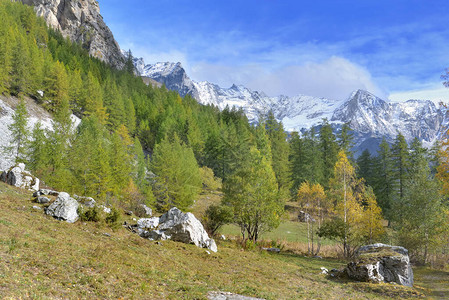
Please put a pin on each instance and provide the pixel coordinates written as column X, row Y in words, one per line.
column 381, row 263
column 177, row 226
column 64, row 208
column 19, row 177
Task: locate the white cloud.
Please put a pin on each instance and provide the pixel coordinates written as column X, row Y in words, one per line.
column 436, row 93
column 334, row 78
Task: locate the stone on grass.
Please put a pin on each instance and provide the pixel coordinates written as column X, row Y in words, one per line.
column 64, row 208
column 19, row 177
column 176, row 226
column 85, row 201
column 228, row 296
column 148, row 211
column 45, row 192
column 305, row 217
column 381, row 263
column 42, row 200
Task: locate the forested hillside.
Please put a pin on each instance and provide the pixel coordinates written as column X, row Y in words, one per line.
column 140, row 144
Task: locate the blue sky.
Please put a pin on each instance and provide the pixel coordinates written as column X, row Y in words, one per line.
column 393, row 48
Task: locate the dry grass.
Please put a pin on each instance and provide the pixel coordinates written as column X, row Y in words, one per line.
column 41, row 257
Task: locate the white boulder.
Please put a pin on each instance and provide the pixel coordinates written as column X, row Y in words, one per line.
column 176, row 226
column 64, row 208
column 19, row 177
column 381, row 263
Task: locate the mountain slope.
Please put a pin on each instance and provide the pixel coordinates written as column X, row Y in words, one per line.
column 41, row 257
column 80, row 20
column 370, row 117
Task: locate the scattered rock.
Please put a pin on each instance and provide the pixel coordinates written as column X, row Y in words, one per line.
column 105, row 209
column 128, row 212
column 36, row 207
column 42, row 200
column 276, row 250
column 106, row 234
column 228, row 296
column 381, row 263
column 85, row 201
column 222, row 237
column 19, row 177
column 324, row 270
column 148, row 211
column 64, row 208
column 305, row 217
column 45, row 192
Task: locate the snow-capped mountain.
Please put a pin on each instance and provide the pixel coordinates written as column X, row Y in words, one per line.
column 370, row 117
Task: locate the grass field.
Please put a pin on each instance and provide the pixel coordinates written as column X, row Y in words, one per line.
column 42, row 258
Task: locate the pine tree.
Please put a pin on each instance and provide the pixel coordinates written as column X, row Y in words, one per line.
column 400, row 158
column 39, row 152
column 365, row 165
column 383, row 182
column 19, row 74
column 279, row 151
column 346, row 141
column 19, row 132
column 328, row 150
column 423, row 219
column 56, row 87
column 177, row 181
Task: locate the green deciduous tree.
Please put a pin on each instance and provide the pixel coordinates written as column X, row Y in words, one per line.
column 252, row 192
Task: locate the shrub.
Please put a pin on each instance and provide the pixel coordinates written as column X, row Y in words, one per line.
column 113, row 219
column 216, row 216
column 91, row 214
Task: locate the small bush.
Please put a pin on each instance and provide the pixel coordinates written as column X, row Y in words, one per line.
column 210, row 182
column 216, row 216
column 90, row 215
column 113, row 219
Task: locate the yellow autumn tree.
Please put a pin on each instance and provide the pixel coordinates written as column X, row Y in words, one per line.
column 312, row 199
column 357, row 215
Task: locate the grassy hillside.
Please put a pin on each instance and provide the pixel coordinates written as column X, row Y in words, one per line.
column 41, row 257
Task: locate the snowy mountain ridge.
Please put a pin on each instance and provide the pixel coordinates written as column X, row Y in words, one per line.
column 371, row 118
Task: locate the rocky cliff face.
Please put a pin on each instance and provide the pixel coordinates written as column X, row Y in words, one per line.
column 80, row 20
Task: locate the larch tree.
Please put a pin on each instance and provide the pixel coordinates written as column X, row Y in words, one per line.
column 178, row 180
column 313, row 200
column 19, row 132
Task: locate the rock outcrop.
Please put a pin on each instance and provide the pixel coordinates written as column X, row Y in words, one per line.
column 80, row 20
column 64, row 208
column 19, row 177
column 381, row 263
column 177, row 226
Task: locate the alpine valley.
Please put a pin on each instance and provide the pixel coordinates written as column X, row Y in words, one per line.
column 369, row 117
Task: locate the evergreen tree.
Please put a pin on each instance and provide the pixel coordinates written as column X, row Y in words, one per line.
column 422, row 221
column 383, row 182
column 279, row 151
column 328, row 150
column 177, row 181
column 365, row 165
column 400, row 158
column 56, row 87
column 19, row 132
column 346, row 141
column 39, row 152
column 19, row 62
